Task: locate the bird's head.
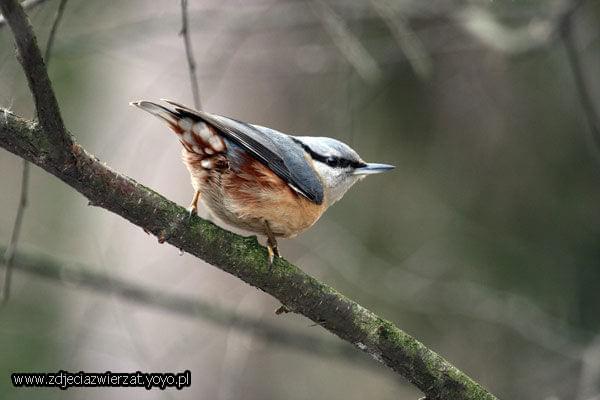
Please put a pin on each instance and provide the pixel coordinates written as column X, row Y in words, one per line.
column 337, row 164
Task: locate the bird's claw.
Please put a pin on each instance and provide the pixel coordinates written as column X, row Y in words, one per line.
column 271, row 256
column 273, row 252
column 271, row 245
column 192, row 210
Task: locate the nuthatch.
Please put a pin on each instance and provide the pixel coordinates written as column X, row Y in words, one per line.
column 257, row 178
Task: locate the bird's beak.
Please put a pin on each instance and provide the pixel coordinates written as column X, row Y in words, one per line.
column 373, row 168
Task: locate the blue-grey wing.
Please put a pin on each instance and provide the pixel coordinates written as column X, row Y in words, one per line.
column 274, row 149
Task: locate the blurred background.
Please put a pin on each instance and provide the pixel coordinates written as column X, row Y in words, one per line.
column 484, row 243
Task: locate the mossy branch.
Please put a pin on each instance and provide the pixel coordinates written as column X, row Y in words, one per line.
column 244, row 258
column 50, row 146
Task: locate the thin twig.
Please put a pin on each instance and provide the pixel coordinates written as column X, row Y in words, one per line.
column 9, row 254
column 57, row 18
column 240, row 256
column 185, row 33
column 16, row 232
column 87, row 277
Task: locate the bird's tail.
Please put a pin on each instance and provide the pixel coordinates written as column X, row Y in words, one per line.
column 193, row 132
column 170, row 116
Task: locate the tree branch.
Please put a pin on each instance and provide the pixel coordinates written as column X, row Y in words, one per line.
column 27, row 4
column 16, row 232
column 189, row 53
column 57, row 19
column 240, row 256
column 246, row 259
column 10, row 251
column 32, row 62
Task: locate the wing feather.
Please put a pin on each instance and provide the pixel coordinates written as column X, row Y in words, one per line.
column 266, row 148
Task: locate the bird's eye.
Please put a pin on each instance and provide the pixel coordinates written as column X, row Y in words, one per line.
column 332, row 161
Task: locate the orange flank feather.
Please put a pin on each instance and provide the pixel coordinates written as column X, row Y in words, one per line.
column 253, row 194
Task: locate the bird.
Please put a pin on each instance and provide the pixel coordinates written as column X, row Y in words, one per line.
column 257, row 178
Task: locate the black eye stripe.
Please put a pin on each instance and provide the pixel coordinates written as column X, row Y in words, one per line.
column 332, row 161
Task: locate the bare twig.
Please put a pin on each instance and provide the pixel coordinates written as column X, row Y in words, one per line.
column 57, row 19
column 46, row 104
column 9, row 254
column 87, row 277
column 27, row 5
column 16, row 232
column 185, row 33
column 237, row 255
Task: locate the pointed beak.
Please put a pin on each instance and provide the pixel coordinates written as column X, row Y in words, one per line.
column 373, row 168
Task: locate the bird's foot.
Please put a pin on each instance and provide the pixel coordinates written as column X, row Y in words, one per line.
column 271, row 245
column 272, row 253
column 271, row 256
column 193, row 208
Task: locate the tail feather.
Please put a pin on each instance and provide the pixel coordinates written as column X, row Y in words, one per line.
column 194, row 134
column 157, row 110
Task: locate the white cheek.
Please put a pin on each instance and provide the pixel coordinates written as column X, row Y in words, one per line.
column 336, row 181
column 344, row 183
